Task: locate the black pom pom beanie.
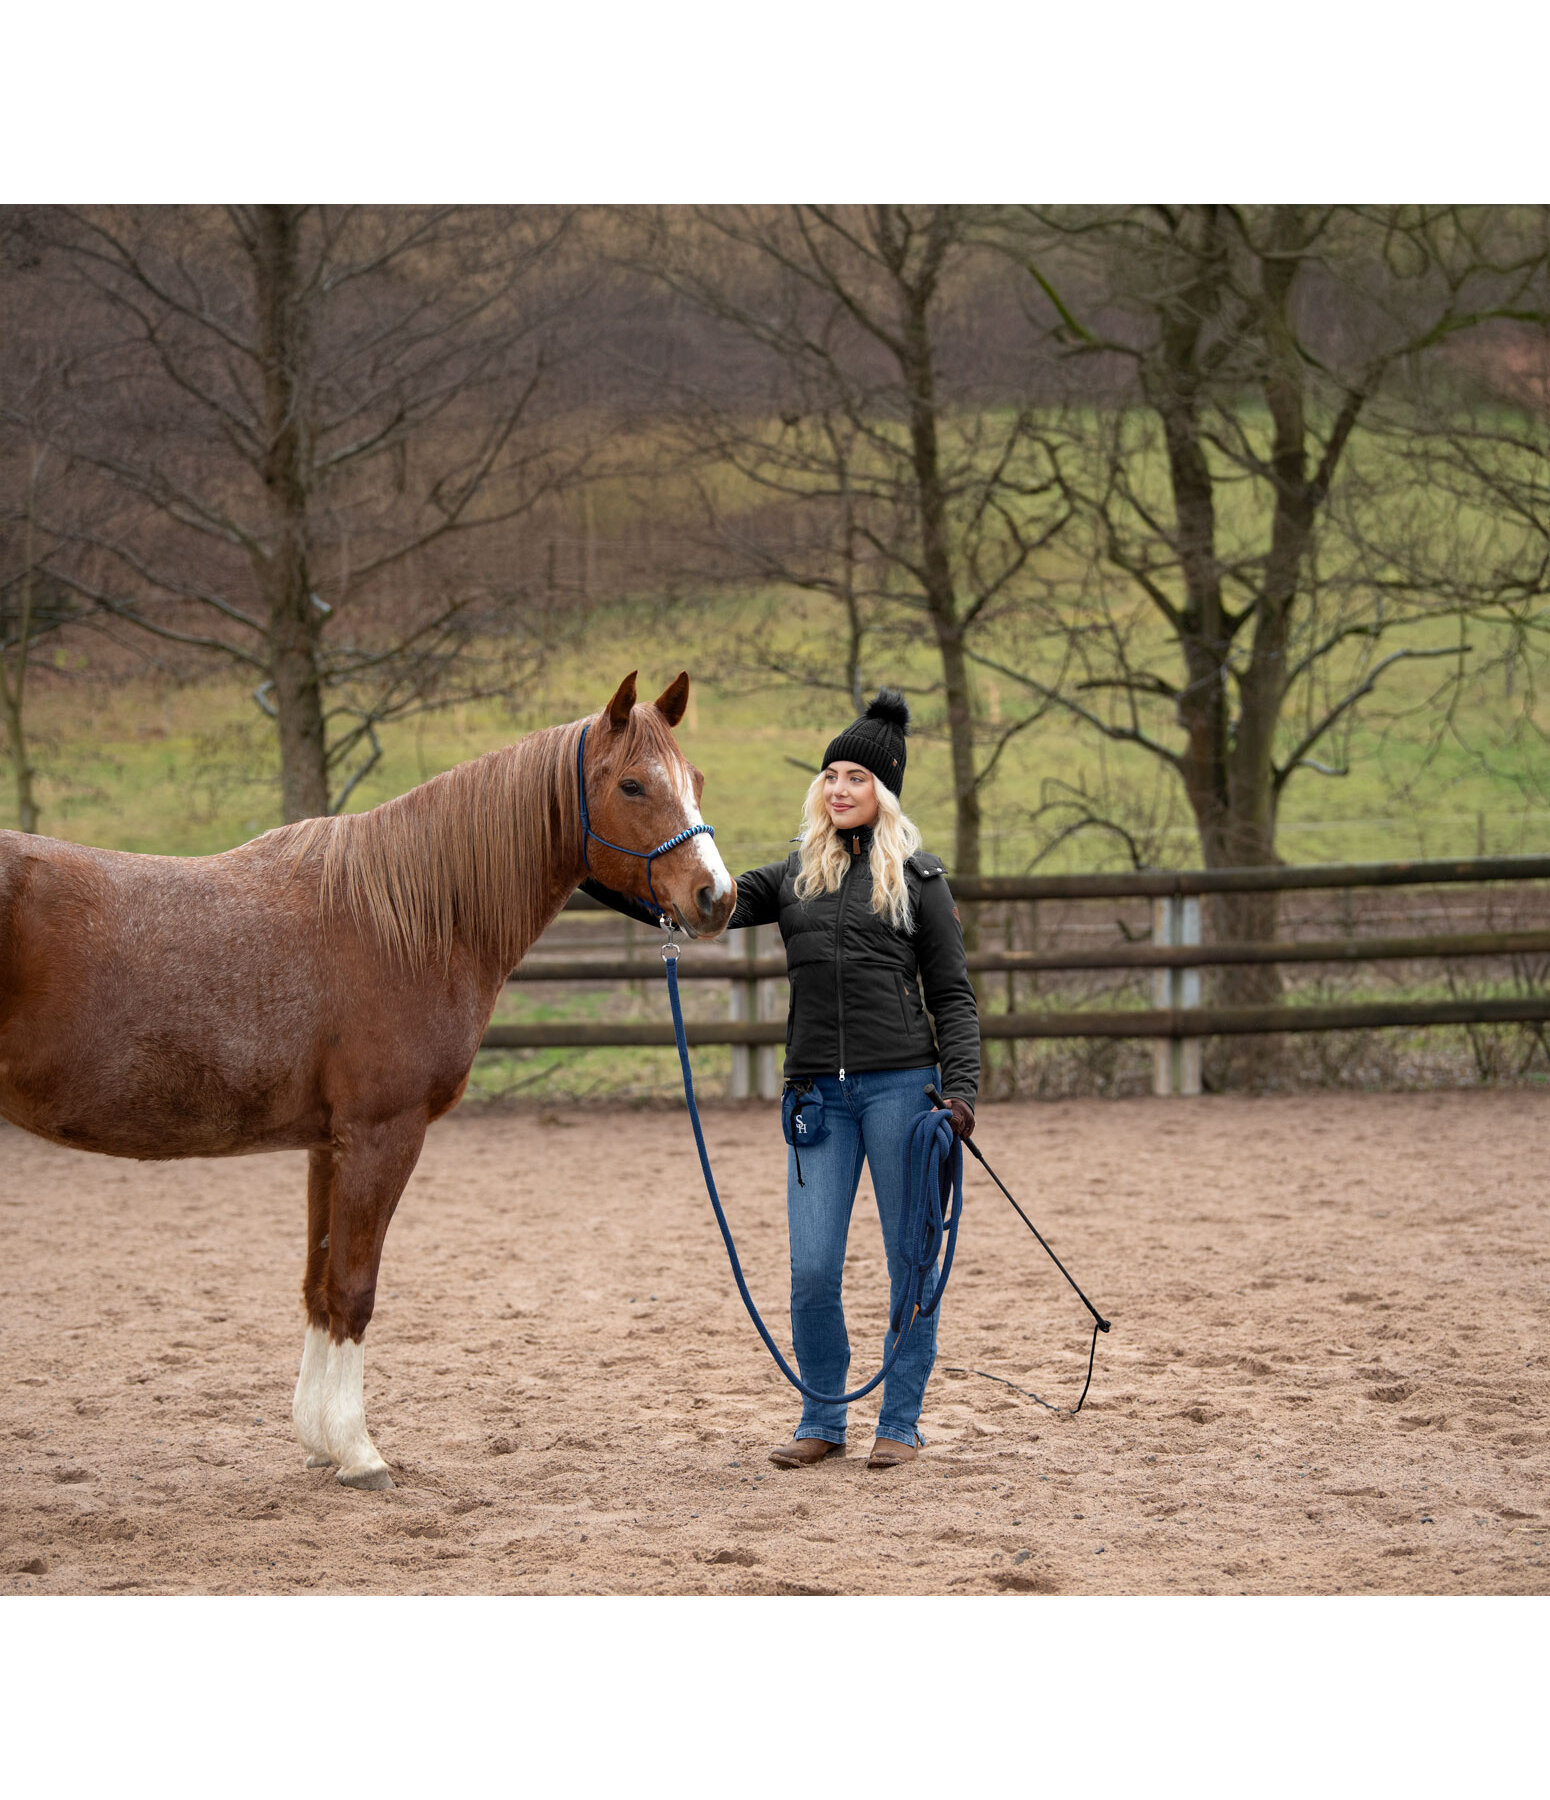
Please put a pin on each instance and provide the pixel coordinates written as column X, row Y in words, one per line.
column 876, row 739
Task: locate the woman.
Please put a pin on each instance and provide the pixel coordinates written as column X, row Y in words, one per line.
column 871, row 935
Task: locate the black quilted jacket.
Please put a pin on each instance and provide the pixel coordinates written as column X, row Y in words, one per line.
column 864, row 996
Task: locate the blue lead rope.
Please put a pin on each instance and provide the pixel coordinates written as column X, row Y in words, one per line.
column 935, row 1174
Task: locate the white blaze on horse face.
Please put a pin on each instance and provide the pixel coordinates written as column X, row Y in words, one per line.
column 704, row 845
column 311, row 1388
column 344, row 1419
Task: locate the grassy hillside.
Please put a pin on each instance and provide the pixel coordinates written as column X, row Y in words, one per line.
column 148, row 765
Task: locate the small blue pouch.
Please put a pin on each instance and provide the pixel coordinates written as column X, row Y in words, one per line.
column 802, row 1123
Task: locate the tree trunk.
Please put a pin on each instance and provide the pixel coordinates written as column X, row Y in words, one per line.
column 1230, row 784
column 285, row 349
column 1244, row 918
column 1229, row 773
column 27, row 815
column 960, row 727
column 940, row 591
column 1249, row 827
column 12, row 695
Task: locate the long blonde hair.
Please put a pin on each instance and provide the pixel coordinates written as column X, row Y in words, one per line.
column 825, row 858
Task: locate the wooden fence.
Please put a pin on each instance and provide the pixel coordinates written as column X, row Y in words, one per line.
column 1176, row 1022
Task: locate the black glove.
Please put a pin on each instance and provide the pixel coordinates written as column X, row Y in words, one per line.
column 963, row 1118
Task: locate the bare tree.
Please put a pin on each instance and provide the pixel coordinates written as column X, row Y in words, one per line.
column 1245, row 558
column 35, row 603
column 850, row 454
column 305, row 414
column 1478, row 445
column 26, row 617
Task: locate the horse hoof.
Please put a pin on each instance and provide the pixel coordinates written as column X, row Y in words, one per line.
column 318, row 1460
column 369, row 1481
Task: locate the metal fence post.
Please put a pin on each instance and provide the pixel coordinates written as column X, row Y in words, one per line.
column 1176, row 1061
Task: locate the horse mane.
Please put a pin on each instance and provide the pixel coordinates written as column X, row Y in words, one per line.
column 471, row 854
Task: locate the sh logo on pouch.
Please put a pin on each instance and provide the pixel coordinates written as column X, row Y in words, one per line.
column 801, row 1120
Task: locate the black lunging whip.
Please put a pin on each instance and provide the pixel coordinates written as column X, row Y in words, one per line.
column 1099, row 1322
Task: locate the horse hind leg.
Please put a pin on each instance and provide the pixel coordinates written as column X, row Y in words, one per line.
column 370, row 1174
column 312, row 1383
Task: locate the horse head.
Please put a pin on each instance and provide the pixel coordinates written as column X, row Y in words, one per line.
column 642, row 794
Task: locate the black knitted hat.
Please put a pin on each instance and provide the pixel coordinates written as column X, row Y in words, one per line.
column 876, row 739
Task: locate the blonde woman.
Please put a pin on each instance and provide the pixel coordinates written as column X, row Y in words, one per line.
column 872, row 939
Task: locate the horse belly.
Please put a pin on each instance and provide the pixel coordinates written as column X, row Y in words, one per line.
column 183, row 1024
column 163, row 1089
column 169, row 1108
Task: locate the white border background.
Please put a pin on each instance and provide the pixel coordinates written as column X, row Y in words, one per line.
column 814, row 99
column 701, row 102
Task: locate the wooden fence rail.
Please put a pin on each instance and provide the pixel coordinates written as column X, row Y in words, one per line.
column 718, row 966
column 1152, row 1022
column 1282, row 878
column 1176, row 1025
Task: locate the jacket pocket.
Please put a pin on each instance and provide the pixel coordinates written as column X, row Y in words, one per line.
column 909, row 1006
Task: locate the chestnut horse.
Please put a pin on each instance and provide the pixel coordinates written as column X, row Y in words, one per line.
column 324, row 988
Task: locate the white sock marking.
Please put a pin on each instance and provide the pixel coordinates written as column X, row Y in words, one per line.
column 344, row 1411
column 307, row 1406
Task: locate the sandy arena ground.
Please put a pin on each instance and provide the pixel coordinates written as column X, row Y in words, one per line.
column 1328, row 1369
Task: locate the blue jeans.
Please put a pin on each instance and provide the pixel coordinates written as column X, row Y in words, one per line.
column 869, row 1117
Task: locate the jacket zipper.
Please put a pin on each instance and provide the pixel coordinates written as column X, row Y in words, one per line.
column 839, row 939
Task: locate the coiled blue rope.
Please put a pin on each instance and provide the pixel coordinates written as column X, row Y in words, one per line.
column 926, row 1221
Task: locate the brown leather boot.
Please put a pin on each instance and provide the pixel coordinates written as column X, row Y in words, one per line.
column 802, row 1453
column 887, row 1453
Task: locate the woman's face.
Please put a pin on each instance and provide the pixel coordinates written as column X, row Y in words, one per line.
column 850, row 794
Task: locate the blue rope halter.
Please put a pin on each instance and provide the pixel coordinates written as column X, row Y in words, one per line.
column 647, row 856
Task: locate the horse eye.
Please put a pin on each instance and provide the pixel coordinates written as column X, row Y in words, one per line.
column 632, row 788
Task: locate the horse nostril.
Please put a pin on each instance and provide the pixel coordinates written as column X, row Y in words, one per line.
column 705, row 899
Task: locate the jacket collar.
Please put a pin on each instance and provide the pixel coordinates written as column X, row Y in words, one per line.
column 858, row 841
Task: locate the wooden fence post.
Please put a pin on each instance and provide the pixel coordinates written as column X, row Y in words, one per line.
column 765, row 1008
column 1176, row 1061
column 631, row 932
column 754, row 1069
column 744, row 1006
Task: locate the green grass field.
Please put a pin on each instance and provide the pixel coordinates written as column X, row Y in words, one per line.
column 186, row 769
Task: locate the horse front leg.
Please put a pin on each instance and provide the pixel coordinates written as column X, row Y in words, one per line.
column 311, row 1384
column 372, row 1164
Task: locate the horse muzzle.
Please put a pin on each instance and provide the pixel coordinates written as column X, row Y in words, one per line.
column 704, row 912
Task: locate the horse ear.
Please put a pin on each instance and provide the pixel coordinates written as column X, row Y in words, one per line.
column 619, row 707
column 672, row 701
